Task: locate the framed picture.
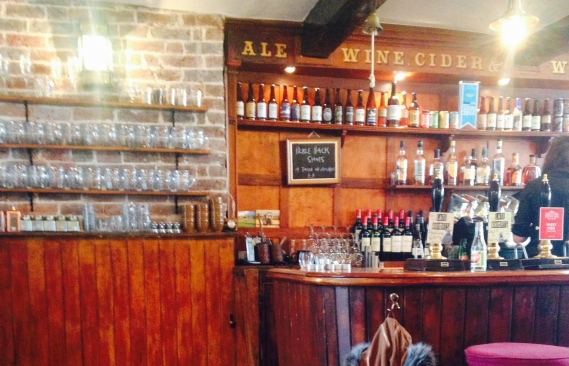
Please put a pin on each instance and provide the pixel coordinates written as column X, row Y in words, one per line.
column 313, row 161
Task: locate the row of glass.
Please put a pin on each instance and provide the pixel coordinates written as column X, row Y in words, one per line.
column 40, row 176
column 48, row 133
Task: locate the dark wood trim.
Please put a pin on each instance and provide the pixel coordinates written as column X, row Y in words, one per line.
column 545, row 44
column 330, row 22
column 139, row 235
column 259, row 180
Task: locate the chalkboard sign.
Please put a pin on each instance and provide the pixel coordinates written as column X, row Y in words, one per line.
column 313, row 161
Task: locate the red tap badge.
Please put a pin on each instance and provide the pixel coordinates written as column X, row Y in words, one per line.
column 551, row 223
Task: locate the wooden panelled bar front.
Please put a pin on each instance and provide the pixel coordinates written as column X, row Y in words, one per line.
column 320, row 316
column 89, row 300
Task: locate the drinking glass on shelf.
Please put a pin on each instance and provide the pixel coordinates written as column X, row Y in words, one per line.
column 174, row 137
column 33, row 176
column 85, row 136
column 95, row 134
column 150, row 137
column 202, row 139
column 139, row 136
column 305, row 259
column 49, row 130
column 61, row 178
column 164, row 137
column 4, row 68
column 130, row 136
column 4, row 177
column 107, row 179
column 124, row 179
column 3, row 137
column 130, row 92
column 159, row 180
column 182, row 97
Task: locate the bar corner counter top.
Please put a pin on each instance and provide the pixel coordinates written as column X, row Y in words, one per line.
column 321, row 315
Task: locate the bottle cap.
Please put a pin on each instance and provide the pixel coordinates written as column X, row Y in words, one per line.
column 544, row 179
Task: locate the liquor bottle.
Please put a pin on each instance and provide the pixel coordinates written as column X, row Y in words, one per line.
column 414, row 112
column 483, row 169
column 531, row 171
column 407, row 240
column 417, row 250
column 536, row 117
column 385, row 241
column 240, row 105
column 478, row 257
column 451, row 166
column 338, row 110
column 295, row 106
column 494, row 193
column 375, row 238
column 305, row 107
column 273, row 106
column 393, row 107
column 437, row 192
column 262, row 104
column 468, row 171
column 404, row 122
column 285, row 106
column 360, row 112
column 396, row 242
column 499, row 163
column 371, row 109
column 508, row 116
column 500, row 115
column 349, row 109
column 517, row 115
column 462, row 253
column 327, row 108
column 401, row 165
column 437, row 164
column 419, row 165
column 251, row 105
column 382, row 112
column 492, row 116
column 317, row 108
column 357, row 227
column 545, row 124
column 365, row 235
column 526, row 117
column 544, row 192
column 514, row 172
column 482, row 120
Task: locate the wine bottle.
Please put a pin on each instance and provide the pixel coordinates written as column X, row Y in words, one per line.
column 295, row 106
column 482, row 119
column 262, row 104
column 393, row 107
column 438, row 192
column 494, row 193
column 407, row 240
column 357, row 227
column 365, row 235
column 371, row 110
column 338, row 110
column 536, row 117
column 327, row 108
column 414, row 112
column 285, row 106
column 508, row 116
column 385, row 241
column 317, row 108
column 251, row 105
column 349, row 109
column 545, row 123
column 500, row 116
column 273, row 106
column 240, row 105
column 404, row 121
column 492, row 116
column 305, row 107
column 526, row 117
column 360, row 112
column 375, row 239
column 396, row 242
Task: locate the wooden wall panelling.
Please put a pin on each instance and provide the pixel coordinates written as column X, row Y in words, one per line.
column 563, row 321
column 136, row 265
column 336, row 341
column 477, row 307
column 38, row 302
column 412, row 310
column 432, row 315
column 500, row 314
column 105, row 301
column 547, row 314
column 7, row 356
column 523, row 330
column 21, row 303
column 121, row 293
column 375, row 305
column 71, row 298
column 89, row 302
column 357, row 311
column 453, row 315
column 247, row 319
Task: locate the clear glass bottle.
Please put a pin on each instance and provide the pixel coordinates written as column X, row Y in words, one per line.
column 531, row 171
column 514, row 172
column 492, row 116
column 437, row 164
column 451, row 166
column 499, row 163
column 419, row 165
column 417, row 242
column 468, row 171
column 500, row 116
column 483, row 169
column 478, row 251
column 401, row 165
column 508, row 116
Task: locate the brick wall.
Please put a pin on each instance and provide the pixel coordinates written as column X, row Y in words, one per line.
column 151, row 47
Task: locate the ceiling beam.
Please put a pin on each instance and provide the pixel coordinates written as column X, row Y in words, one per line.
column 545, row 44
column 330, row 22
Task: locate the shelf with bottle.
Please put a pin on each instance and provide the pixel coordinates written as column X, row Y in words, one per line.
column 28, row 100
column 104, row 192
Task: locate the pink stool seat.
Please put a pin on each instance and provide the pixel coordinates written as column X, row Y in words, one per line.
column 518, row 354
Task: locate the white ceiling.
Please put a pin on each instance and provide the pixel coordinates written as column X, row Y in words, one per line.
column 466, row 15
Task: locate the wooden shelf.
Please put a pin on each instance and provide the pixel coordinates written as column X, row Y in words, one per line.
column 102, row 192
column 106, row 148
column 97, row 103
column 455, row 188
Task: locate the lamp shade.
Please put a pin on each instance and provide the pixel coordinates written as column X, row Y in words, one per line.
column 95, row 54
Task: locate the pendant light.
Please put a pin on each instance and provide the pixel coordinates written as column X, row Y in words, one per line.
column 514, row 24
column 373, row 28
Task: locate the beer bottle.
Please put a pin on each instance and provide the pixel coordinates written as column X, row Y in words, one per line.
column 393, row 107
column 371, row 110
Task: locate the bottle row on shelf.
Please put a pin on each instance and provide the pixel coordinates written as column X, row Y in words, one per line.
column 472, row 171
column 504, row 117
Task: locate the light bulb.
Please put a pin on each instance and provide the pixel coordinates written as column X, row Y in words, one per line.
column 514, row 31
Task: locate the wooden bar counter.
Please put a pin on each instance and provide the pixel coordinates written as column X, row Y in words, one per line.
column 320, row 316
column 131, row 299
